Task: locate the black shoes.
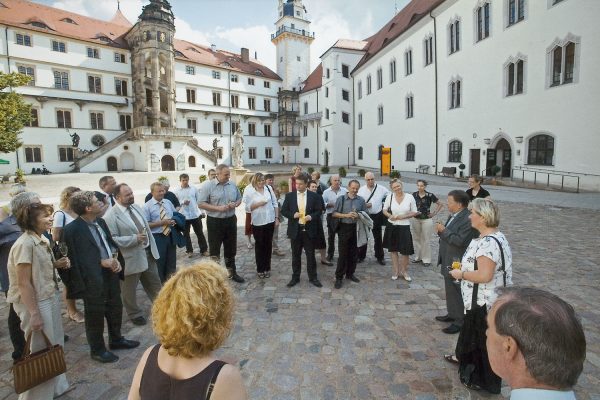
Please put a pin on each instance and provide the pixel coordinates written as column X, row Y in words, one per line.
column 360, row 260
column 325, row 262
column 338, row 283
column 139, row 320
column 444, row 318
column 105, row 357
column 123, row 344
column 315, row 282
column 452, row 329
column 330, row 258
column 236, row 278
column 353, row 278
column 293, row 282
column 380, row 261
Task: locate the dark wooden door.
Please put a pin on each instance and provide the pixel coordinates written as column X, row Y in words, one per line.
column 167, row 163
column 506, row 163
column 111, row 164
column 475, row 162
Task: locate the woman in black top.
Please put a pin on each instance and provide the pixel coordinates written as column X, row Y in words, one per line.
column 475, row 190
column 422, row 224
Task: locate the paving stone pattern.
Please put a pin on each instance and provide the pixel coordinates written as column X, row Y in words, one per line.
column 372, row 340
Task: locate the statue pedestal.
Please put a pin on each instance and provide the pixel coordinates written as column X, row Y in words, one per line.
column 238, row 174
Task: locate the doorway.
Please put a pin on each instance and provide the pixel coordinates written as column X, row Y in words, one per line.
column 111, row 164
column 167, row 163
column 499, row 159
column 475, row 162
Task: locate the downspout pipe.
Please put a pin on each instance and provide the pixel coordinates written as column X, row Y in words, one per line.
column 435, row 62
column 229, row 113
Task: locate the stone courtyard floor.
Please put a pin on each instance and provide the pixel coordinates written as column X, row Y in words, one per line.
column 374, row 340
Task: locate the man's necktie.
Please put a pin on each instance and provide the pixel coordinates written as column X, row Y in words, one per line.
column 112, row 200
column 301, row 208
column 136, row 221
column 163, row 215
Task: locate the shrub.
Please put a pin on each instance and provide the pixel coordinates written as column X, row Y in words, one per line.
column 19, row 176
column 342, row 172
column 362, row 173
column 325, row 169
column 395, row 174
column 242, row 186
column 310, row 170
column 283, row 187
column 202, row 178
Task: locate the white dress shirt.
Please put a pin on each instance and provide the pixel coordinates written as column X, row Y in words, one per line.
column 190, row 193
column 261, row 215
column 376, row 201
column 329, row 196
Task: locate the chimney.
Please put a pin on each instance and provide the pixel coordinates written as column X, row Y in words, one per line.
column 256, row 55
column 245, row 55
column 213, row 47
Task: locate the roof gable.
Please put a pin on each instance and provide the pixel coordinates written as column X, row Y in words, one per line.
column 314, row 80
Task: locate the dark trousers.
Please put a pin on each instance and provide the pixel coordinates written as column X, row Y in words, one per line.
column 378, row 246
column 346, row 263
column 17, row 336
column 454, row 300
column 263, row 246
column 195, row 223
column 330, row 237
column 167, row 261
column 223, row 231
column 303, row 241
column 105, row 304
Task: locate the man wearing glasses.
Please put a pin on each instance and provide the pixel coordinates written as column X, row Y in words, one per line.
column 374, row 196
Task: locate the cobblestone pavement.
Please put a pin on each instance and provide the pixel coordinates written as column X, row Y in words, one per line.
column 372, row 340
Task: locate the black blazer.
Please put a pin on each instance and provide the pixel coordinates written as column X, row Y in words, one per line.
column 87, row 275
column 455, row 239
column 314, row 208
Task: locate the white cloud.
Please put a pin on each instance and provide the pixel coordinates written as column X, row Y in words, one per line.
column 255, row 38
column 101, row 9
column 183, row 30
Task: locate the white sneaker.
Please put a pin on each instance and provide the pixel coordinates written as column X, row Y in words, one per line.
column 394, row 277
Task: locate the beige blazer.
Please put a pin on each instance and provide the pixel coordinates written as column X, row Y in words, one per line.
column 124, row 233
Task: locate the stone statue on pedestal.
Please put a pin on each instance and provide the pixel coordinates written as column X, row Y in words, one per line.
column 238, row 149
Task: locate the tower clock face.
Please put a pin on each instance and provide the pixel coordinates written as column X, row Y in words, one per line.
column 162, row 37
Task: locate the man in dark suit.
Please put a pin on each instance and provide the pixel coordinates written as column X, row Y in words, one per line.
column 302, row 208
column 90, row 249
column 455, row 237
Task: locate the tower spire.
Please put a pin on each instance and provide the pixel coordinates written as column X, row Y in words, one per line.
column 118, row 5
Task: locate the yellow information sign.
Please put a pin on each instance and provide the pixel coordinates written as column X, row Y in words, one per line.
column 386, row 160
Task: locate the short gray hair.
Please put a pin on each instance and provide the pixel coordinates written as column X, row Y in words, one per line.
column 548, row 332
column 488, row 211
column 23, row 199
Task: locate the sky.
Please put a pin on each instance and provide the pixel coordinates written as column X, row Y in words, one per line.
column 233, row 24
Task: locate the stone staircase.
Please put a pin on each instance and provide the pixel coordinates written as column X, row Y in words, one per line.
column 88, row 158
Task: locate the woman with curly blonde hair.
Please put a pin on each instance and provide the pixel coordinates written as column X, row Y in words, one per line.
column 192, row 317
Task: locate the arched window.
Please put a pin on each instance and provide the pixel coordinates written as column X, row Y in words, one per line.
column 306, row 153
column 541, row 150
column 410, row 152
column 455, row 151
column 192, row 162
column 360, row 153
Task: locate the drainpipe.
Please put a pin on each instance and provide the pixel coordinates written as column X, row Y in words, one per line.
column 229, row 102
column 318, row 126
column 435, row 61
column 353, row 125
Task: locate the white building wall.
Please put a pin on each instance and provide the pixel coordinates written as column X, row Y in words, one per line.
column 313, row 141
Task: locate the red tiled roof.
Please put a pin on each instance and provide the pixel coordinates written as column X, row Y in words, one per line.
column 21, row 13
column 220, row 58
column 407, row 17
column 314, row 80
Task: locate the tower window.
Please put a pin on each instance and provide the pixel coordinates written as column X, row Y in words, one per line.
column 298, row 58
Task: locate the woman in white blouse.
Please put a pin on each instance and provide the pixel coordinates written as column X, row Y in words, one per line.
column 262, row 204
column 399, row 208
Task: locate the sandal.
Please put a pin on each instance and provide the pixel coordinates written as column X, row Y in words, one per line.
column 451, row 358
column 77, row 316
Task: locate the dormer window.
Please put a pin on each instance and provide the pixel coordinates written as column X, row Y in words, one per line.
column 195, row 50
column 104, row 39
column 178, row 54
column 226, row 65
column 69, row 21
column 258, row 72
column 38, row 24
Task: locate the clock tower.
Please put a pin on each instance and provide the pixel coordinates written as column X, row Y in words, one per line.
column 152, row 62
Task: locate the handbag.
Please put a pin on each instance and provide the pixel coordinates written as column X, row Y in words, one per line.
column 474, row 368
column 36, row 368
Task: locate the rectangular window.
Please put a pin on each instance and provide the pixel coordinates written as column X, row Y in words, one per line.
column 359, row 89
column 65, row 153
column 219, row 152
column 234, row 78
column 428, row 50
column 63, row 119
column 455, row 94
column 251, row 81
column 33, row 154
column 379, row 78
column 408, row 62
column 483, row 21
column 94, row 84
column 125, row 122
column 190, row 95
column 305, row 131
column 216, row 96
column 327, row 113
column 454, row 37
column 392, row 71
column 267, row 104
column 368, row 84
column 516, row 11
column 23, row 40
column 192, row 124
column 251, row 129
column 29, row 71
column 360, row 121
column 409, row 107
column 217, row 127
column 235, row 101
column 305, row 107
column 251, row 103
column 252, row 153
column 268, row 152
column 59, row 46
column 345, row 71
column 190, row 70
column 267, row 84
column 345, row 95
column 96, row 120
column 120, row 58
column 380, row 115
column 563, row 64
column 235, row 126
column 34, row 121
column 61, row 80
column 327, row 73
column 345, row 118
column 267, row 130
column 216, row 75
column 120, row 87
column 93, row 52
column 326, row 92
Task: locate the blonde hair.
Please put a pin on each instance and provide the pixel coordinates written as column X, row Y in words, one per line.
column 488, row 210
column 192, row 314
column 257, row 177
column 396, row 180
column 65, row 196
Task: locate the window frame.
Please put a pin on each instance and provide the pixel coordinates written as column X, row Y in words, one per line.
column 267, row 105
column 234, row 101
column 519, row 6
column 563, row 73
column 33, row 148
column 410, row 152
column 360, row 121
column 28, row 68
column 369, row 84
column 454, row 31
column 216, row 74
column 216, row 98
column 217, row 127
column 25, row 38
column 97, row 118
column 359, row 89
column 121, row 83
column 345, row 95
column 63, row 73
column 380, row 114
column 192, row 123
column 428, row 49
column 251, row 81
column 455, row 94
column 34, row 122
column 268, row 153
column 393, row 70
column 65, row 125
column 455, row 148
column 410, row 106
column 251, row 103
column 120, row 58
column 252, row 153
column 96, row 85
column 58, row 46
column 66, row 150
column 345, row 71
column 190, row 70
column 511, row 78
column 345, row 117
column 251, row 128
column 483, row 22
column 267, row 130
column 408, row 62
column 95, row 52
column 552, row 150
column 379, row 78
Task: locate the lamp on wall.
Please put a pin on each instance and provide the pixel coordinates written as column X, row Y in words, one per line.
column 487, row 141
column 519, row 139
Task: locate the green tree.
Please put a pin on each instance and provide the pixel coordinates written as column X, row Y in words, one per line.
column 14, row 111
